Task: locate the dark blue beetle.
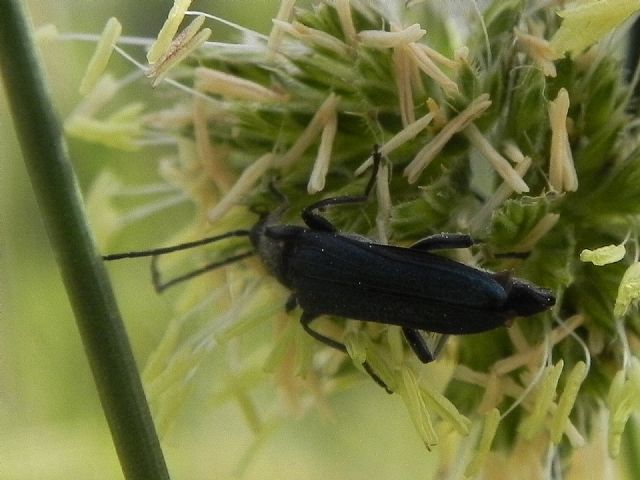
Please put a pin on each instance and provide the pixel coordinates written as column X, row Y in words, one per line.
column 331, row 273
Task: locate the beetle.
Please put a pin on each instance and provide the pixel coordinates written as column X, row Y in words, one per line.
column 347, row 275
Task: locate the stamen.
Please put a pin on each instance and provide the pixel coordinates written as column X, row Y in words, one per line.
column 210, row 158
column 562, row 172
column 501, row 194
column 509, row 364
column 604, row 255
column 101, row 55
column 242, row 187
column 536, row 234
column 275, row 37
column 400, row 38
column 323, row 158
column 489, row 429
column 314, row 37
column 411, row 394
column 539, row 50
column 346, row 20
column 437, row 143
column 437, row 57
column 228, row 23
column 531, row 425
column 567, row 400
column 497, row 161
column 405, row 135
column 425, row 64
column 628, row 290
column 444, row 408
column 189, row 40
column 168, row 30
column 384, row 203
column 227, row 85
column 402, row 77
column 310, row 133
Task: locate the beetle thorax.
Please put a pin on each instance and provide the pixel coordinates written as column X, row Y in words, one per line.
column 272, row 251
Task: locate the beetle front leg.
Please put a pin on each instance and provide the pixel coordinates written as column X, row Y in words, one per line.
column 307, row 318
column 315, row 221
column 442, row 241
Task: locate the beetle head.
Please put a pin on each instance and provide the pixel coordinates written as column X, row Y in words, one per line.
column 526, row 299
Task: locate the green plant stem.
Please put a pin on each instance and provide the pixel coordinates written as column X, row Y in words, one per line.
column 88, row 288
column 632, row 448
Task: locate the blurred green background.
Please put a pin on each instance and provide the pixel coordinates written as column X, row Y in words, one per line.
column 51, row 423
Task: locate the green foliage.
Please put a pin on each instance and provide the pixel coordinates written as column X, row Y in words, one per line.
column 515, row 219
column 619, row 191
column 552, row 262
column 377, row 97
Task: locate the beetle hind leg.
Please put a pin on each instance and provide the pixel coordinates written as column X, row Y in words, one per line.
column 307, row 318
column 426, row 350
column 418, row 345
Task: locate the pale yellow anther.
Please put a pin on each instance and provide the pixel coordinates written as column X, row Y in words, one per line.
column 242, row 187
column 101, row 55
column 230, row 86
column 168, row 30
column 426, row 155
column 382, row 39
column 562, row 171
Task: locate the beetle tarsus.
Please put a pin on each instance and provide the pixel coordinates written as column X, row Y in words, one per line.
column 376, row 378
column 306, row 319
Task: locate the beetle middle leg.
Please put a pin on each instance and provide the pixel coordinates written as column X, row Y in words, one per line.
column 307, row 318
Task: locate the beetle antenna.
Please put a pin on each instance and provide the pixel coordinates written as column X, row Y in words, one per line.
column 160, row 286
column 277, row 192
column 377, row 158
column 176, row 248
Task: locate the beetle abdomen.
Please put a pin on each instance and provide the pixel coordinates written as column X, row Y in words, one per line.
column 332, row 274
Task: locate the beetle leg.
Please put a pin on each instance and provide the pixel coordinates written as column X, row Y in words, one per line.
column 513, row 255
column 277, row 193
column 376, row 378
column 377, row 159
column 427, row 350
column 292, row 303
column 418, row 345
column 315, row 221
column 307, row 318
column 443, row 241
column 159, row 285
